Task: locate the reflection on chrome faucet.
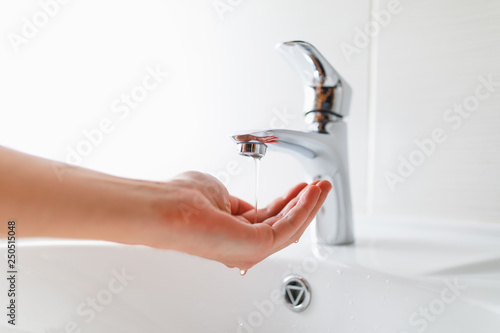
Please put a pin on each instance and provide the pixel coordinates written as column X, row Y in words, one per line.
column 322, row 152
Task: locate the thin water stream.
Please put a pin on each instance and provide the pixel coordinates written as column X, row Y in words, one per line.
column 256, row 189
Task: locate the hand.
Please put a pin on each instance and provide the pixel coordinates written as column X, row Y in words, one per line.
column 211, row 223
column 193, row 212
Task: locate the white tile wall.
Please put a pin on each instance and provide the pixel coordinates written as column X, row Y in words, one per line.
column 224, row 75
column 430, row 60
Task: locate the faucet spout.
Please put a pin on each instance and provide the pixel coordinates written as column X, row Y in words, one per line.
column 323, row 156
column 323, row 153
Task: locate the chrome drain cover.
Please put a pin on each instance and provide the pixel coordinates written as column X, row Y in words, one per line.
column 296, row 292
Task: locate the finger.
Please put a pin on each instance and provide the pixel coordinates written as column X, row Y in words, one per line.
column 277, row 205
column 325, row 187
column 288, row 206
column 293, row 202
column 272, row 219
column 288, row 225
column 239, row 207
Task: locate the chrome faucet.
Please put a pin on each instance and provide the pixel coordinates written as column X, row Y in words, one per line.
column 323, row 151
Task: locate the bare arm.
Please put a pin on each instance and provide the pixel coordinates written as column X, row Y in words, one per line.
column 192, row 213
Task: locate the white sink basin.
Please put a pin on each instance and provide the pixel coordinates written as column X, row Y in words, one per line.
column 400, row 276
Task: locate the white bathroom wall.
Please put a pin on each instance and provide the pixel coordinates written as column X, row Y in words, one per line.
column 217, row 72
column 436, row 137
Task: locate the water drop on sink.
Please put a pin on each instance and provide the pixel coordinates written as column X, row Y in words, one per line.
column 368, row 277
column 350, row 302
column 339, row 271
column 296, row 241
column 387, row 281
column 243, row 272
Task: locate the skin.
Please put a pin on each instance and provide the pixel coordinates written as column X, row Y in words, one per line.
column 192, row 213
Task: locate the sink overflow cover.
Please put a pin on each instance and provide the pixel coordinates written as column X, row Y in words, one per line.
column 296, row 292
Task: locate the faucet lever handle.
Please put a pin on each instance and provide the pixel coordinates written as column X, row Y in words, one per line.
column 312, row 67
column 330, row 94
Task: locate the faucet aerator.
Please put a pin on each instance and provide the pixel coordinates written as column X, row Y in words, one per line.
column 252, row 149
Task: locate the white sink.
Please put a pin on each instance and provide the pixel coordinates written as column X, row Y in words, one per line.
column 399, row 276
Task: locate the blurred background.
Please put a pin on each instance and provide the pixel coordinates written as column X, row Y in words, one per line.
column 148, row 89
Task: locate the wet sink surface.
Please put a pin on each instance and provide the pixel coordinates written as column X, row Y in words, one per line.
column 399, row 276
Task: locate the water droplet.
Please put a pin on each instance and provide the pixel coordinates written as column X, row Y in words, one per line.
column 350, row 302
column 243, row 272
column 296, row 241
column 387, row 281
column 339, row 271
column 368, row 277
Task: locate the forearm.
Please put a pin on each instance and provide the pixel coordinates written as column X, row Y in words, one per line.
column 51, row 199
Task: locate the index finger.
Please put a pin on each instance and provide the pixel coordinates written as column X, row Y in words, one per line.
column 238, row 206
column 286, row 227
